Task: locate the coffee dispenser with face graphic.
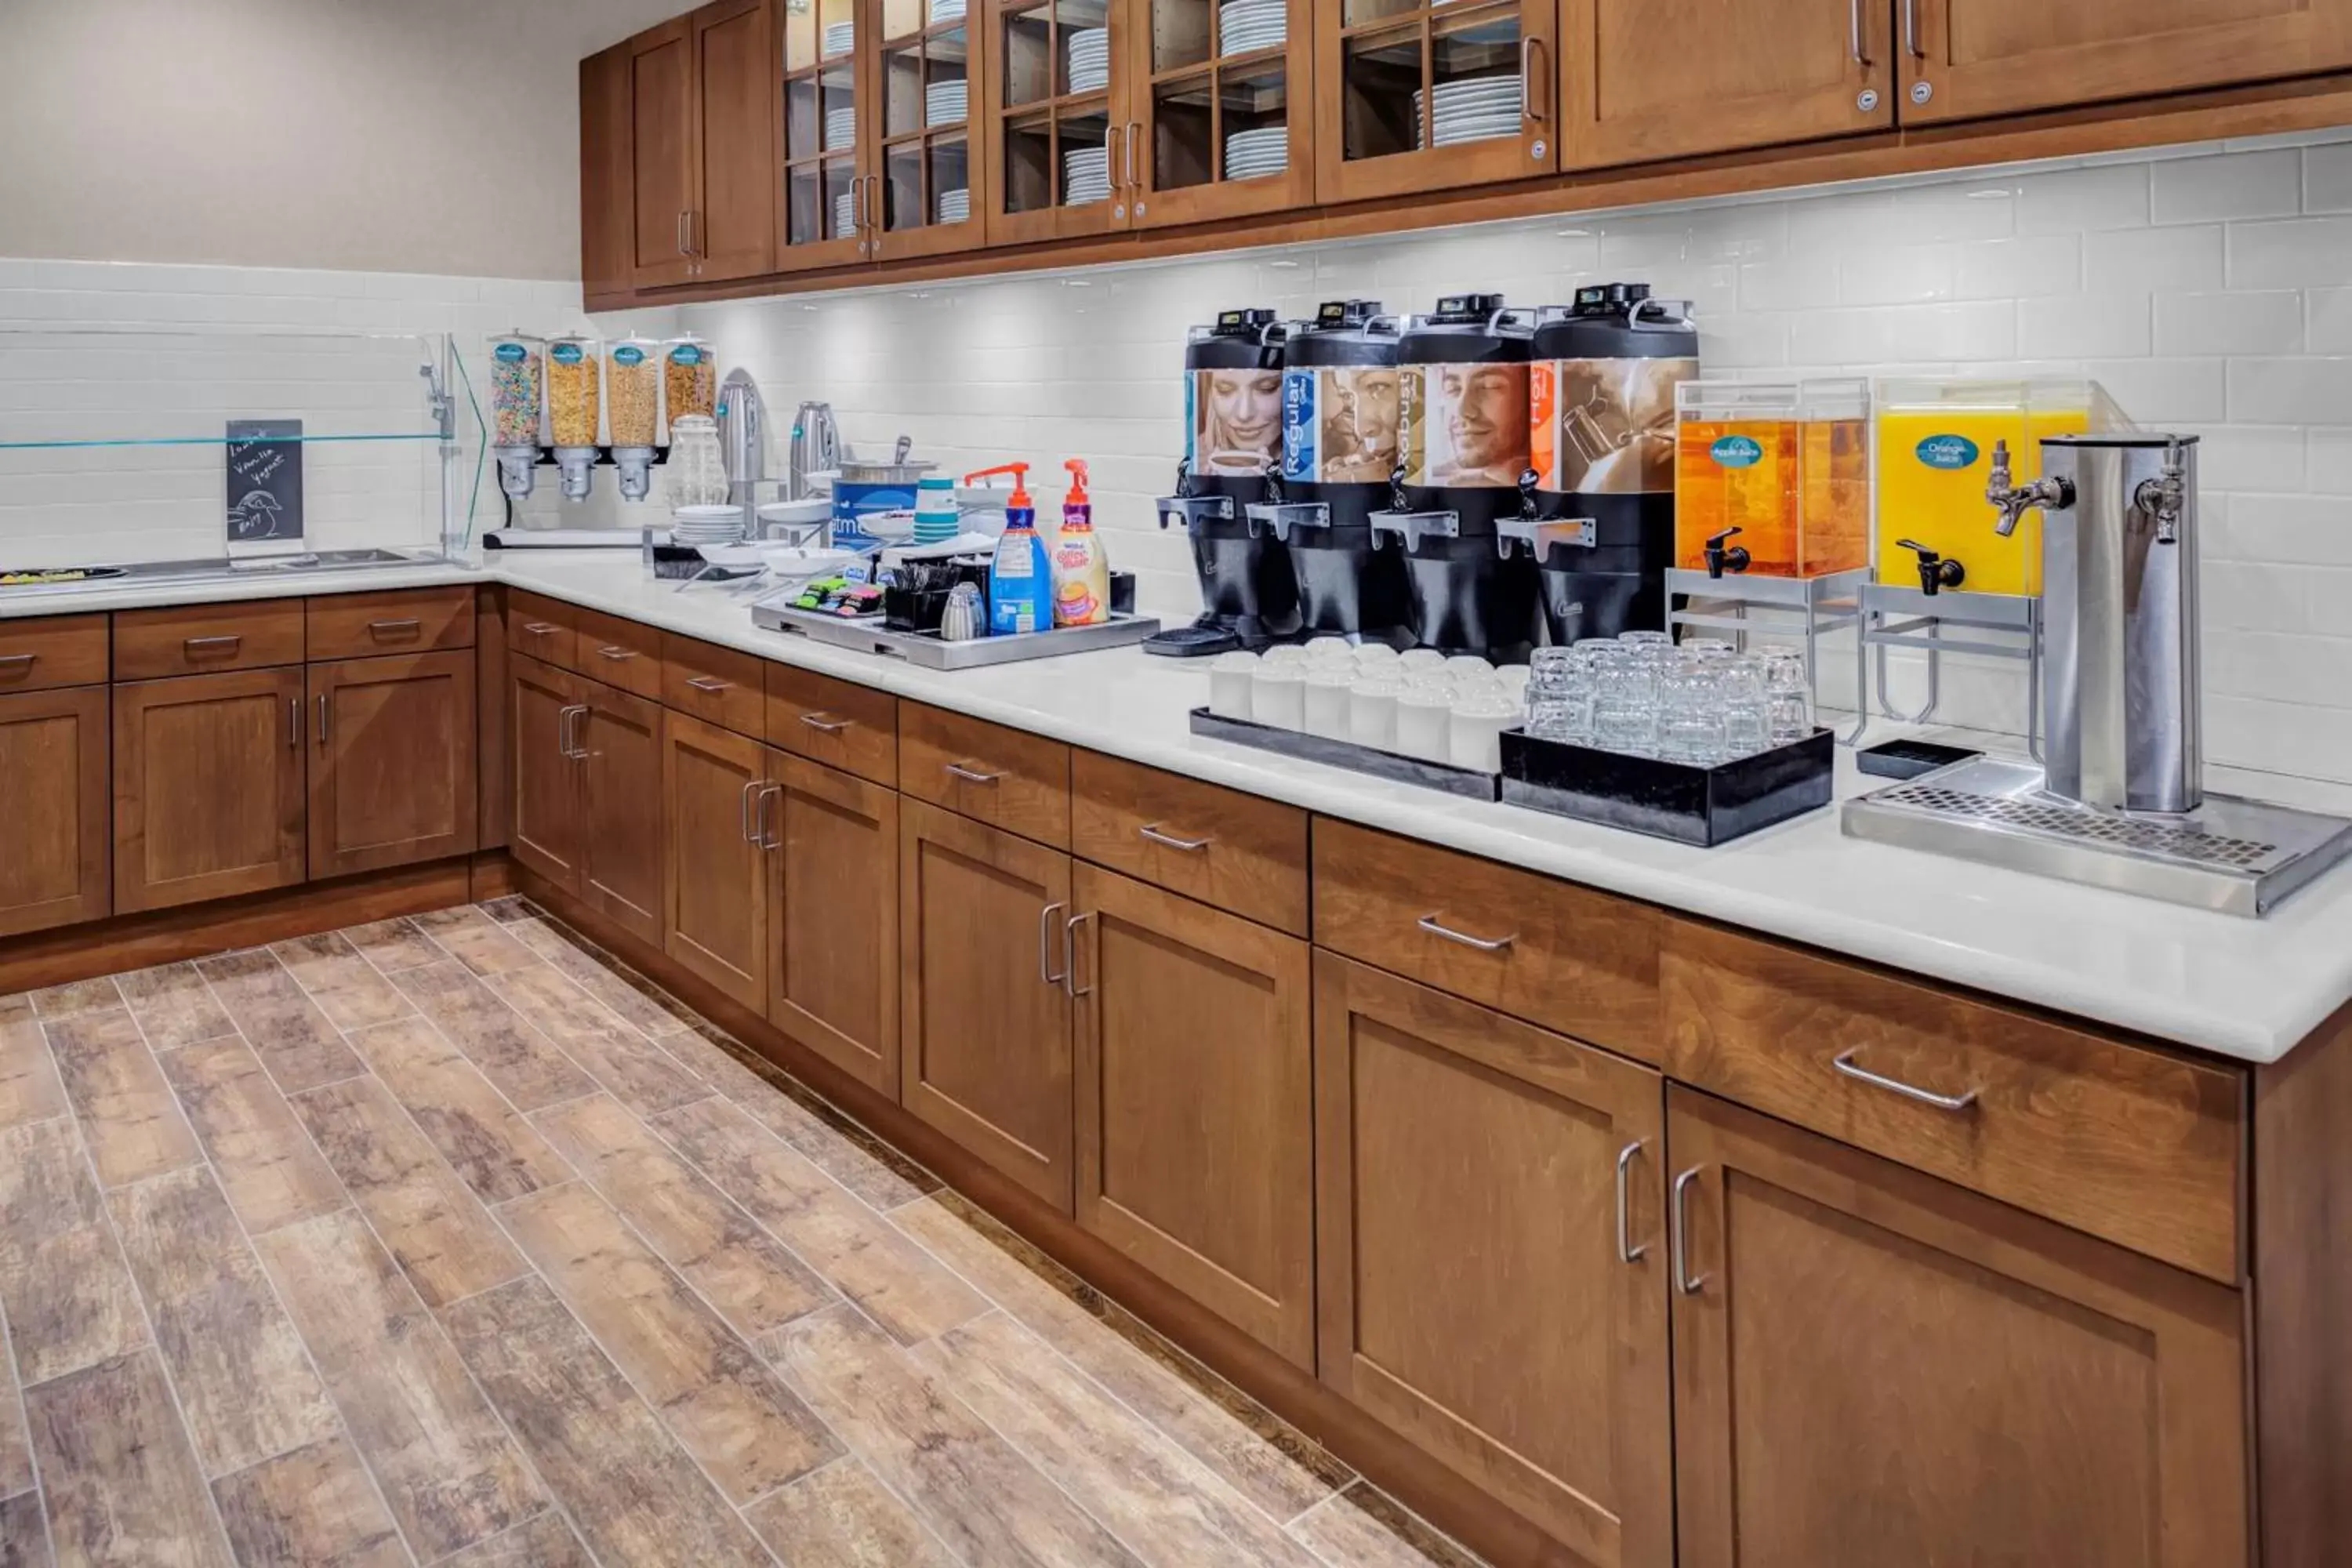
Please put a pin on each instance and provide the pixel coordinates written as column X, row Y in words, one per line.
column 1341, row 411
column 1463, row 449
column 1233, row 449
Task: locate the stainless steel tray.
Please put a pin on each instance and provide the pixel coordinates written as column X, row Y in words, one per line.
column 927, row 649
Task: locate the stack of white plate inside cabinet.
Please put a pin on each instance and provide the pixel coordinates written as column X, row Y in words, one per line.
column 1472, row 109
column 946, row 102
column 1249, row 154
column 840, row 38
column 1091, row 59
column 1246, row 25
column 1085, row 175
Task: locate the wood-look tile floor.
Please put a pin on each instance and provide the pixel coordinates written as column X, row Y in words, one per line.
column 450, row 1240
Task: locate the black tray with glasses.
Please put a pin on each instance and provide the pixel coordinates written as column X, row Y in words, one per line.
column 1468, row 783
column 1681, row 801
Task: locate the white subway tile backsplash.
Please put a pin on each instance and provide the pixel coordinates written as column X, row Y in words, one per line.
column 2100, row 197
column 2308, row 390
column 2263, row 321
column 2290, row 253
column 2082, row 326
column 2022, row 268
column 2144, row 260
column 1898, row 275
column 2328, row 178
column 2235, row 186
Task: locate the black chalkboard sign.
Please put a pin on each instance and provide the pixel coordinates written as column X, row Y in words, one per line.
column 265, row 484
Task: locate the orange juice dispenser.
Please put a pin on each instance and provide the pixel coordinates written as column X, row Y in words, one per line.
column 1772, row 478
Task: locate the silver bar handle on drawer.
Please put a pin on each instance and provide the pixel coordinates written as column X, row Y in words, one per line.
column 321, row 700
column 832, row 726
column 1070, row 985
column 707, row 683
column 1853, row 33
column 1681, row 1229
column 615, row 652
column 957, row 770
column 19, row 660
column 1046, row 945
column 193, row 644
column 1846, row 1066
column 1154, row 833
column 1626, row 1251
column 379, row 628
column 1434, row 927
column 294, row 724
column 541, row 628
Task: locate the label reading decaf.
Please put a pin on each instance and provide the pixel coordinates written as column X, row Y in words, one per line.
column 1463, row 424
column 1736, row 452
column 628, row 354
column 512, row 353
column 1340, row 425
column 1605, row 427
column 1946, row 452
column 1234, row 421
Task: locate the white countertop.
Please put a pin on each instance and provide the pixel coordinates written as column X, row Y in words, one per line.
column 78, row 599
column 2243, row 988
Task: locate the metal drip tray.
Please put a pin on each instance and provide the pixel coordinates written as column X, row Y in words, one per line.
column 2238, row 857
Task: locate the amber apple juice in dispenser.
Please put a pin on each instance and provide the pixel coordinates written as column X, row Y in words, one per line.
column 1787, row 464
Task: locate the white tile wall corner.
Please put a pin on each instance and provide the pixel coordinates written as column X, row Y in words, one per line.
column 2210, row 288
column 118, row 504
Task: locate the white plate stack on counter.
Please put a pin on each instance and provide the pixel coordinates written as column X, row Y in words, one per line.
column 946, row 102
column 953, row 207
column 840, row 38
column 840, row 128
column 1418, row 704
column 1249, row 154
column 1245, row 26
column 1472, row 109
column 1085, row 175
column 1091, row 59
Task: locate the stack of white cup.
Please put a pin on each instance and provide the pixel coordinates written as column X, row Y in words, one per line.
column 1420, row 703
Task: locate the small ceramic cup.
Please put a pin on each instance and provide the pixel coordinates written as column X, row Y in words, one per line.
column 1474, row 728
column 1372, row 657
column 1278, row 695
column 1325, row 699
column 1416, row 659
column 1338, row 650
column 1424, row 723
column 1372, row 710
column 1284, row 653
column 1467, row 663
column 1228, row 684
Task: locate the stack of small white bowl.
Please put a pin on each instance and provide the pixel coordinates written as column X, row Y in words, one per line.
column 840, row 128
column 1091, row 59
column 1420, row 704
column 1085, row 175
column 946, row 102
column 1472, row 109
column 1245, row 26
column 1249, row 154
column 840, row 38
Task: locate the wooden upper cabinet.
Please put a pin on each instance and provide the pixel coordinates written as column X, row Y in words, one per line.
column 1492, row 1262
column 1941, row 1378
column 984, row 1053
column 732, row 232
column 715, row 876
column 209, row 785
column 1492, row 67
column 1963, row 59
column 1643, row 79
column 661, row 154
column 824, row 134
column 1196, row 1102
column 544, row 709
column 1060, row 126
column 619, row 743
column 929, row 87
column 392, row 760
column 53, row 774
column 1221, row 118
column 833, row 850
column 607, row 178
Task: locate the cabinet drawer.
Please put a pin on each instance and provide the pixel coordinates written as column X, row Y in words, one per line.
column 2131, row 1144
column 201, row 639
column 542, row 628
column 617, row 652
column 1582, row 962
column 1019, row 782
column 53, row 651
column 407, row 620
column 836, row 722
column 1216, row 845
column 719, row 685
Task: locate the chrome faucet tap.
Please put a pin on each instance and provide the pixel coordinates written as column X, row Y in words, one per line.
column 2013, row 501
column 2161, row 498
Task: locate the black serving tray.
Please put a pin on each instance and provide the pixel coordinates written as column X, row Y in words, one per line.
column 1668, row 800
column 1467, row 782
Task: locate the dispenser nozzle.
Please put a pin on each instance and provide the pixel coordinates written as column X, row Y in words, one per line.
column 1721, row 560
column 1936, row 572
column 2013, row 501
column 2163, row 497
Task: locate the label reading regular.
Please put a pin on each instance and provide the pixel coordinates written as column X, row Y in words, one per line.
column 1736, row 452
column 1946, row 452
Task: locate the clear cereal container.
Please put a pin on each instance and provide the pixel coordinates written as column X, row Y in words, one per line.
column 632, row 391
column 572, row 406
column 517, row 363
column 690, row 377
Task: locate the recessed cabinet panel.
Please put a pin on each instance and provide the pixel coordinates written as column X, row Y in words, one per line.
column 392, row 761
column 833, row 850
column 715, row 872
column 544, row 709
column 620, row 740
column 53, row 774
column 209, row 780
column 661, row 156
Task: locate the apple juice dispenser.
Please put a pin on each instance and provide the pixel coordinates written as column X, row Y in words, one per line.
column 1772, row 478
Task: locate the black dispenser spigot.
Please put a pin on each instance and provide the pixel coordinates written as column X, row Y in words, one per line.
column 1721, row 560
column 1184, row 479
column 1397, row 501
column 1528, row 480
column 1937, row 572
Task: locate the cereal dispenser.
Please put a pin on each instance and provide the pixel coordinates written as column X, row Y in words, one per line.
column 517, row 362
column 572, row 411
column 633, row 411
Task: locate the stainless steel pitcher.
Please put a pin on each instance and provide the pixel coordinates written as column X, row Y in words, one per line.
column 816, row 449
column 2119, row 664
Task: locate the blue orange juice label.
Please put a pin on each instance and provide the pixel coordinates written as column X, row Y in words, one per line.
column 1946, row 452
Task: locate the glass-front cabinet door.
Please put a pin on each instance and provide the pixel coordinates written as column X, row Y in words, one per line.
column 929, row 96
column 1059, row 155
column 1221, row 108
column 1415, row 96
column 828, row 202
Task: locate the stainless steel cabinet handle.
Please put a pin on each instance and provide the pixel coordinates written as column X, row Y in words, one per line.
column 567, row 733
column 1134, row 134
column 1431, row 924
column 1046, row 945
column 685, row 247
column 834, row 726
column 1531, row 81
column 321, row 701
column 193, row 645
column 1911, row 30
column 1846, row 1066
column 759, row 821
column 381, row 628
column 18, row 660
column 957, row 770
column 1626, row 1251
column 615, row 652
column 707, row 683
column 1110, row 151
column 1853, row 33
column 293, row 724
column 541, row 628
column 743, row 810
column 1070, row 985
column 1153, row 832
column 1681, row 1229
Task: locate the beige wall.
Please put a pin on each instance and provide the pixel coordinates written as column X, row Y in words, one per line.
column 384, row 135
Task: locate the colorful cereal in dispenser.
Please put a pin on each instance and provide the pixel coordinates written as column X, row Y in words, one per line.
column 633, row 392
column 516, row 362
column 690, row 378
column 571, row 408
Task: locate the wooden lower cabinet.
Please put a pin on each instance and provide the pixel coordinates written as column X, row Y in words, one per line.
column 1873, row 1366
column 985, row 1040
column 620, row 741
column 832, row 844
column 1196, row 1102
column 715, row 903
column 209, row 785
column 53, row 774
column 1491, row 1259
column 544, row 707
column 392, row 760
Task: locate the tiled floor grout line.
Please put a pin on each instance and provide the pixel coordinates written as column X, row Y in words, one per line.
column 359, row 1211
column 154, row 1341
column 16, row 1379
column 342, row 1422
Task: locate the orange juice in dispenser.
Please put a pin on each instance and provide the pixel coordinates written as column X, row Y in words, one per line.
column 1787, row 464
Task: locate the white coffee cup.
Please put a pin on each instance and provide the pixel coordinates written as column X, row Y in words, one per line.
column 1278, row 695
column 1467, row 663
column 1284, row 653
column 1372, row 709
column 1376, row 658
column 1230, row 674
column 1326, row 700
column 1424, row 723
column 1338, row 650
column 1475, row 728
column 1416, row 659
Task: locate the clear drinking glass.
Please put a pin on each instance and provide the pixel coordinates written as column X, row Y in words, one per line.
column 1624, row 706
column 1789, row 696
column 1555, row 695
column 1746, row 704
column 1690, row 713
column 1708, row 647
